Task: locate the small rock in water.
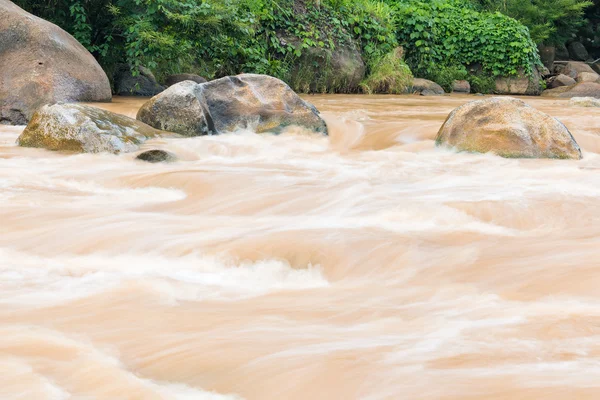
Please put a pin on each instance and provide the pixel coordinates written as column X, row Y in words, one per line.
column 509, row 128
column 156, row 156
column 584, row 102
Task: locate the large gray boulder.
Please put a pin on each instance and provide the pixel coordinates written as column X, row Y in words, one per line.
column 578, row 52
column 584, row 89
column 84, row 129
column 426, row 87
column 258, row 102
column 42, row 64
column 509, row 128
column 141, row 84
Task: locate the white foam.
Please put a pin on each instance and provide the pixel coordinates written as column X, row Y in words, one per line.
column 29, row 279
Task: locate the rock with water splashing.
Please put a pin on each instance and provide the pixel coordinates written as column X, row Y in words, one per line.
column 42, row 64
column 509, row 128
column 584, row 102
column 257, row 102
column 84, row 129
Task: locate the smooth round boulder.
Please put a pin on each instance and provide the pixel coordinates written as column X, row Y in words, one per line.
column 509, row 128
column 426, row 87
column 257, row 102
column 142, row 84
column 156, row 156
column 42, row 64
column 584, row 89
column 84, row 129
column 176, row 78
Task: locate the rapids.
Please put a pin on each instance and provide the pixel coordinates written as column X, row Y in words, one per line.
column 367, row 265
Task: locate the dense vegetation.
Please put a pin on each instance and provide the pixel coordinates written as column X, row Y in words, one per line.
column 299, row 40
column 549, row 21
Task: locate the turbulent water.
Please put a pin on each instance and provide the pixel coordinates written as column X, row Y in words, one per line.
column 367, row 265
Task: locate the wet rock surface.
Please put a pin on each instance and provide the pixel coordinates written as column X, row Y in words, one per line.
column 156, row 156
column 509, row 128
column 84, row 129
column 257, row 102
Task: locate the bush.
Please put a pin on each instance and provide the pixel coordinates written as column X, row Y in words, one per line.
column 389, row 74
column 445, row 33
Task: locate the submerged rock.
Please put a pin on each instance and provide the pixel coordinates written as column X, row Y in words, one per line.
column 84, row 129
column 156, row 156
column 258, row 102
column 509, row 128
column 174, row 79
column 584, row 102
column 42, row 64
column 142, row 84
column 584, row 89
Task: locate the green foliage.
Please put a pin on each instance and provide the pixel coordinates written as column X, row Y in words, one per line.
column 549, row 21
column 482, row 83
column 443, row 33
column 294, row 40
column 445, row 76
column 389, row 74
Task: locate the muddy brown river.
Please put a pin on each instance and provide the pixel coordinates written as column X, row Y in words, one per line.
column 367, row 265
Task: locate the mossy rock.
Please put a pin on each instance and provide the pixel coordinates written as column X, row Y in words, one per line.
column 509, row 128
column 84, row 129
